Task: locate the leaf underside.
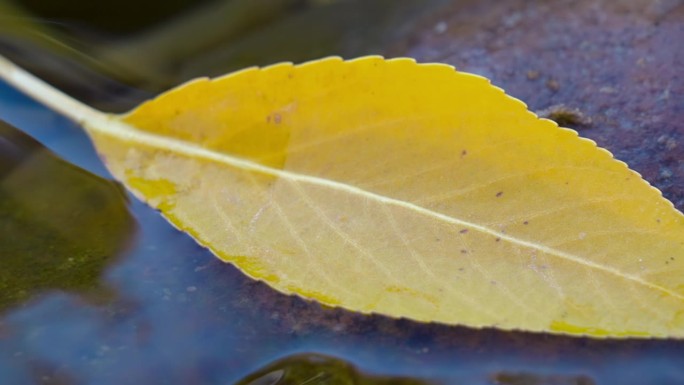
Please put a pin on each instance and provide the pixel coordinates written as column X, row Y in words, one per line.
column 410, row 190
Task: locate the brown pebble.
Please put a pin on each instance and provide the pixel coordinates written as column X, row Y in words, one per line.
column 553, row 85
column 565, row 116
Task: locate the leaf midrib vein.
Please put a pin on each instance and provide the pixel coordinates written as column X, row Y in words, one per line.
column 112, row 125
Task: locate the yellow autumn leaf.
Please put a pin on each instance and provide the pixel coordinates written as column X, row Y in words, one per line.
column 410, row 190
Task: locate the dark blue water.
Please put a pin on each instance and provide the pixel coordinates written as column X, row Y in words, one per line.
column 177, row 315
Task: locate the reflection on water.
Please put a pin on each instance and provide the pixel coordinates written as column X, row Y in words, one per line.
column 60, row 226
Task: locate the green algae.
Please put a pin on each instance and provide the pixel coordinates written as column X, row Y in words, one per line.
column 318, row 369
column 60, row 226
